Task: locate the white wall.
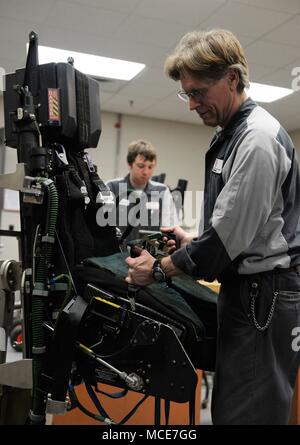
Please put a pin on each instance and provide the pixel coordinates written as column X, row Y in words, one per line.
column 180, row 147
column 8, row 245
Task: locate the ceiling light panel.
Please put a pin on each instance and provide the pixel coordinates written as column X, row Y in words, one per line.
column 98, row 66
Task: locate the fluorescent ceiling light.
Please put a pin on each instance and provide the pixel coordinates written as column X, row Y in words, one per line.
column 97, row 66
column 267, row 93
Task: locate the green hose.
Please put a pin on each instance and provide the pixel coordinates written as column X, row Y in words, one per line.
column 39, row 297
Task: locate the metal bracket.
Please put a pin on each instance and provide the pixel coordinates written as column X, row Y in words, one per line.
column 17, row 374
column 32, row 190
column 14, row 181
column 28, row 185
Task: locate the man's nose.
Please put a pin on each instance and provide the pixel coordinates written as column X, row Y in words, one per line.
column 193, row 103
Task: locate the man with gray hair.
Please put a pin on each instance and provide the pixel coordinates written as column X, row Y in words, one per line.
column 251, row 233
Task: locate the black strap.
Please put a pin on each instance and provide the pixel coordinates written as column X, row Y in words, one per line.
column 157, row 411
column 90, row 178
column 192, row 410
column 95, row 400
column 116, row 396
column 130, row 414
column 75, row 403
column 113, row 395
column 75, row 176
column 167, row 411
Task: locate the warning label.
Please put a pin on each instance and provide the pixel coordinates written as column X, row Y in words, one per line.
column 53, row 105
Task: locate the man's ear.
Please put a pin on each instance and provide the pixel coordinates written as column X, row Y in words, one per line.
column 233, row 79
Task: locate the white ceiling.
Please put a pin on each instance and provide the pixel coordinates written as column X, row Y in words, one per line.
column 147, row 31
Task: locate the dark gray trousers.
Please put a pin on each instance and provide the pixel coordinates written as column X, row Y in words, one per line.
column 256, row 370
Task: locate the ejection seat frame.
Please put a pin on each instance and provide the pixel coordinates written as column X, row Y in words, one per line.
column 158, row 364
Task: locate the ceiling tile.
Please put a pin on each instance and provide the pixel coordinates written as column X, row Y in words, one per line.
column 291, row 66
column 246, row 40
column 20, row 34
column 280, row 78
column 114, row 5
column 290, row 6
column 245, row 20
column 150, row 31
column 288, row 33
column 191, row 13
column 82, row 18
column 135, row 51
column 122, row 103
column 270, row 54
column 112, row 85
column 151, row 82
column 19, row 54
column 32, row 10
column 104, row 97
column 66, row 38
column 256, row 72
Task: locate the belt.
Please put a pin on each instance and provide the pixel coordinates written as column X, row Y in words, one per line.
column 229, row 278
column 295, row 268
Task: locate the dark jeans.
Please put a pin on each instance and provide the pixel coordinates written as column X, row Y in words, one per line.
column 256, row 370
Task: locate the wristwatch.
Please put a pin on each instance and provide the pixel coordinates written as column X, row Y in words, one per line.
column 157, row 273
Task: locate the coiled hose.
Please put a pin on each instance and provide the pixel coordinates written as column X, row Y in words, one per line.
column 39, row 299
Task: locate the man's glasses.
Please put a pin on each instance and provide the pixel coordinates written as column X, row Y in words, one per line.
column 198, row 93
column 194, row 94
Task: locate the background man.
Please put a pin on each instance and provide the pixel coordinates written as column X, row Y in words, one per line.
column 142, row 203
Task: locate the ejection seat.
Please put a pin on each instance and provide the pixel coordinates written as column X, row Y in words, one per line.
column 82, row 321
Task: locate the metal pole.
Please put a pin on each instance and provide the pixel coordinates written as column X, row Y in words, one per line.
column 118, row 126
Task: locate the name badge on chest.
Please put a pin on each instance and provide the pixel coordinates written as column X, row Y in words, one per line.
column 218, row 166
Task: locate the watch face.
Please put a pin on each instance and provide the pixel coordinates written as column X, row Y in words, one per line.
column 158, row 274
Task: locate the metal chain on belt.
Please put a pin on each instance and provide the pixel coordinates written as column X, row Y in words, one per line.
column 270, row 316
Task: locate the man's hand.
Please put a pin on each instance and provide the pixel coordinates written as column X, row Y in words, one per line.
column 181, row 235
column 140, row 269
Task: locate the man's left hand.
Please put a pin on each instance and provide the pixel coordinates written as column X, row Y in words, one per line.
column 140, row 269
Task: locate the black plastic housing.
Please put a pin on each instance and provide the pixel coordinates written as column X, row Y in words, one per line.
column 77, row 122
